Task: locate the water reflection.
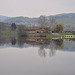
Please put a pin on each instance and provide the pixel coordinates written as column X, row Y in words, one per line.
column 42, row 52
column 43, row 44
column 20, row 38
column 13, row 41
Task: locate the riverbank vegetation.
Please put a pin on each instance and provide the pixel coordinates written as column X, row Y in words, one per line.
column 47, row 28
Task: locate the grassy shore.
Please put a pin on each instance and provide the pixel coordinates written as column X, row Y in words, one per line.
column 7, row 33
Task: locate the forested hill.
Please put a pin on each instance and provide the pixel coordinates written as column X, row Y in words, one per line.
column 67, row 19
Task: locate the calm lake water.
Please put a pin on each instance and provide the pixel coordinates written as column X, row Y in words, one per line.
column 37, row 57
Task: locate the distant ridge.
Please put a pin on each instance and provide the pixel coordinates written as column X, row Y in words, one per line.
column 66, row 18
column 3, row 18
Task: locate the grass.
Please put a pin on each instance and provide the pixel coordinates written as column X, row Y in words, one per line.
column 9, row 33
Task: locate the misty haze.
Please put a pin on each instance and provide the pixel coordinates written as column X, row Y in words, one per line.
column 37, row 37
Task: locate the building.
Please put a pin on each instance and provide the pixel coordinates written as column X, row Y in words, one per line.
column 69, row 29
column 33, row 30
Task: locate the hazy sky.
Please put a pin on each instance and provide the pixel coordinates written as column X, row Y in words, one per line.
column 35, row 8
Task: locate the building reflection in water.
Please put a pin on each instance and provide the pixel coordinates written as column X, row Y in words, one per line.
column 35, row 40
column 43, row 44
column 51, row 44
column 47, row 47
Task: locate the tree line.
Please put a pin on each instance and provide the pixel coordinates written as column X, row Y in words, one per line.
column 51, row 23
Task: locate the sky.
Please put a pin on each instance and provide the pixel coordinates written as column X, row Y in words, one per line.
column 35, row 8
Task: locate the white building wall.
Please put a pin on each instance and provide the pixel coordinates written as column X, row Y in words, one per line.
column 69, row 36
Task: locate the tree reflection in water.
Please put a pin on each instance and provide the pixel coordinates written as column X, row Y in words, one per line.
column 23, row 38
column 13, row 41
column 42, row 51
column 54, row 45
column 58, row 43
column 52, row 48
column 51, row 44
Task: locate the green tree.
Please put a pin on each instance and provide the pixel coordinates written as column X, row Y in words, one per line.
column 59, row 28
column 13, row 26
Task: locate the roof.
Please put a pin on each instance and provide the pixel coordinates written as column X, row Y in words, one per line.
column 69, row 29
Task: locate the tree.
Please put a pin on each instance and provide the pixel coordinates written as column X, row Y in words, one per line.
column 42, row 20
column 13, row 26
column 52, row 22
column 59, row 28
column 22, row 30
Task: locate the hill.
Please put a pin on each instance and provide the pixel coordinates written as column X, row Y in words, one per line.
column 3, row 18
column 67, row 19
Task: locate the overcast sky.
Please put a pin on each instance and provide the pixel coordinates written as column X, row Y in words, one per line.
column 35, row 8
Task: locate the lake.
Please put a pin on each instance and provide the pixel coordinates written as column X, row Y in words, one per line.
column 27, row 56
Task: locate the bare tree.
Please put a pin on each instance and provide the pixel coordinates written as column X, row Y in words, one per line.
column 42, row 52
column 52, row 22
column 21, row 30
column 42, row 20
